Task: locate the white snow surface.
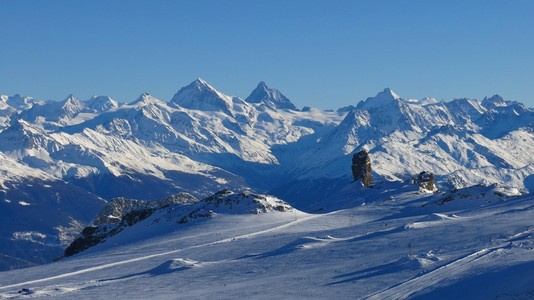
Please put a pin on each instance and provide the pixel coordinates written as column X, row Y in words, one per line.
column 464, row 141
column 472, row 243
column 54, row 154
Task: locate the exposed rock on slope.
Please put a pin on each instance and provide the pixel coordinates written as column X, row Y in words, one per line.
column 426, row 182
column 462, row 142
column 203, row 141
column 229, row 202
column 361, row 168
column 121, row 213
column 474, row 196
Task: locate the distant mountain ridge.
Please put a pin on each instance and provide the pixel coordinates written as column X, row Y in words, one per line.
column 202, row 141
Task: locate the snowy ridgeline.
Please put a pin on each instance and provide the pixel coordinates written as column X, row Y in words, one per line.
column 474, row 243
column 61, row 161
column 121, row 213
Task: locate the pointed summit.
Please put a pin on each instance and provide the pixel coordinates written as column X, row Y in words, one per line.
column 200, row 95
column 493, row 101
column 71, row 105
column 101, row 103
column 273, row 98
column 145, row 99
column 389, row 93
column 201, row 83
column 70, row 98
column 383, row 98
column 55, row 111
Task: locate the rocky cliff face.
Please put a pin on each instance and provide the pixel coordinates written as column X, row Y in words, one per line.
column 119, row 214
column 426, row 182
column 361, row 168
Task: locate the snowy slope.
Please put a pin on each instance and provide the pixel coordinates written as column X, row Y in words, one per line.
column 120, row 217
column 407, row 245
column 203, row 141
column 54, row 113
column 12, row 105
column 463, row 142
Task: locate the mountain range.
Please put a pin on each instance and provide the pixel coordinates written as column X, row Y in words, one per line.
column 62, row 161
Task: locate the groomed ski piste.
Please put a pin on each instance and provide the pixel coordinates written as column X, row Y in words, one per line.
column 396, row 243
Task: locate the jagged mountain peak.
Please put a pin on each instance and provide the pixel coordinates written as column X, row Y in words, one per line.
column 200, row 95
column 389, row 92
column 472, row 107
column 273, row 98
column 72, row 104
column 385, row 97
column 146, row 99
column 101, row 103
column 201, row 83
column 428, row 100
column 493, row 101
column 71, row 98
column 495, row 97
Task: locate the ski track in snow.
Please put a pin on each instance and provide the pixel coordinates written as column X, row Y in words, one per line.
column 458, row 266
column 110, row 265
column 92, row 269
column 303, row 242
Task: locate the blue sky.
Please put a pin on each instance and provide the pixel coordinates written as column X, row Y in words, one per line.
column 325, row 54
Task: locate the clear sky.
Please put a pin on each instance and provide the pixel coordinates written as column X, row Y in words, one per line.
column 325, row 54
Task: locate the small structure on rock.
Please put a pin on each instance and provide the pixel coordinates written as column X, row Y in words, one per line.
column 361, row 168
column 426, row 182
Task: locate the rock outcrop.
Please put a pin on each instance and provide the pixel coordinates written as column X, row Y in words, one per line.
column 119, row 214
column 361, row 168
column 426, row 182
column 228, row 202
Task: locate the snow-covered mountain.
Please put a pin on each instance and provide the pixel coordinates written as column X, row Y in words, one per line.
column 11, row 106
column 272, row 98
column 463, row 142
column 54, row 113
column 203, row 141
column 200, row 95
column 101, row 103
